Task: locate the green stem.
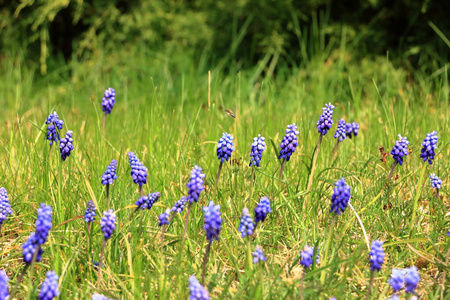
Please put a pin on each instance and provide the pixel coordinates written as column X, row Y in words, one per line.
column 335, row 150
column 249, row 254
column 416, row 200
column 107, row 196
column 205, row 261
column 281, row 169
column 218, row 176
column 100, row 263
column 369, row 290
column 327, row 247
column 19, row 279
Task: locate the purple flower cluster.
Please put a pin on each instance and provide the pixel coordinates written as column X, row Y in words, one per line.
column 196, row 290
column 195, row 184
column 43, row 223
column 138, row 171
column 246, row 226
column 341, row 132
column 110, row 174
column 289, row 142
column 66, row 145
column 258, row 146
column 29, row 248
column 262, row 210
column 213, row 221
column 326, row 119
column 429, row 146
column 307, row 255
column 164, row 218
column 146, row 202
column 50, row 288
column 108, row 223
column 407, row 278
column 258, row 255
column 351, row 129
column 5, row 207
column 225, row 147
column 4, row 289
column 435, row 181
column 54, row 124
column 376, row 255
column 179, row 205
column 341, row 196
column 108, row 100
column 400, row 149
column 89, row 213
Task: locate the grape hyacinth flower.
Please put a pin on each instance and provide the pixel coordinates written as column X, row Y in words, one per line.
column 4, row 289
column 108, row 178
column 398, row 152
column 376, row 255
column 43, row 223
column 213, row 221
column 54, row 124
column 110, row 173
column 5, row 207
column 288, row 145
column 341, row 196
column 339, row 135
column 179, row 205
column 146, row 202
column 164, row 218
column 225, row 147
column 50, row 288
column 29, row 250
column 195, row 184
column 246, row 226
column 108, row 101
column 323, row 125
column 435, row 181
column 339, row 202
column 89, row 214
column 411, row 279
column 429, row 146
column 66, row 145
column 326, row 119
column 258, row 255
column 138, row 171
column 376, row 260
column 258, row 147
column 213, row 225
column 262, row 210
column 351, row 129
column 306, row 261
column 108, row 225
column 177, row 208
column 307, row 255
column 397, row 279
column 196, row 290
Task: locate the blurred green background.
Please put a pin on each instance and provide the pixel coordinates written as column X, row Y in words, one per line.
column 228, row 34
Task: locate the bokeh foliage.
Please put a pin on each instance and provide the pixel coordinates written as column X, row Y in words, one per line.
column 247, row 31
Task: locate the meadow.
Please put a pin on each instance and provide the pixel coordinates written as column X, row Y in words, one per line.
column 171, row 114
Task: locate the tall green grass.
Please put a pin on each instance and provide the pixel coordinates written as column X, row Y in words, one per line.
column 162, row 115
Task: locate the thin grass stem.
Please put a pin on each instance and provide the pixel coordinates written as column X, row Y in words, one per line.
column 327, row 246
column 416, row 200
